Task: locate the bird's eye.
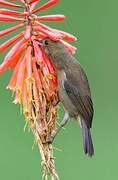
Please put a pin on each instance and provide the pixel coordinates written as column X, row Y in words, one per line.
column 46, row 42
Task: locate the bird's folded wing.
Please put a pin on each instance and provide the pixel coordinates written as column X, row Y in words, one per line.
column 83, row 103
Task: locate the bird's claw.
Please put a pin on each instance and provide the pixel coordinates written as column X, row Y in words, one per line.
column 49, row 140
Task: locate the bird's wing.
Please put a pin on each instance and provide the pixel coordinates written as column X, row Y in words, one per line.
column 82, row 102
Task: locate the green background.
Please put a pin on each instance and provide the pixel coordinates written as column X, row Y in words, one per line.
column 95, row 23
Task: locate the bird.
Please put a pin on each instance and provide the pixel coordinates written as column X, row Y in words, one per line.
column 73, row 90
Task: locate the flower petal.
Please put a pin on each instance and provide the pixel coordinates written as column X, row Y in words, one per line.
column 46, row 5
column 36, row 75
column 50, row 34
column 58, row 17
column 38, row 53
column 9, row 59
column 72, row 49
column 5, row 3
column 20, row 80
column 21, row 71
column 22, row 1
column 17, row 57
column 33, row 1
column 33, row 5
column 40, row 35
column 62, row 34
column 27, row 34
column 10, row 41
column 7, row 31
column 12, row 82
column 66, row 36
column 47, row 61
column 11, row 12
column 10, row 18
column 29, row 61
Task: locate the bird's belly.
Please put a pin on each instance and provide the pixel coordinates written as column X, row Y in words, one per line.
column 69, row 107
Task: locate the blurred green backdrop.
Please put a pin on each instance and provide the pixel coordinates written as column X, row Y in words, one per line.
column 95, row 23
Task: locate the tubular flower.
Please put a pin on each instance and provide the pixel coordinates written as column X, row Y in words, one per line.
column 34, row 78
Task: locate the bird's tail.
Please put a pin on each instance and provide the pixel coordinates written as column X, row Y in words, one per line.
column 87, row 139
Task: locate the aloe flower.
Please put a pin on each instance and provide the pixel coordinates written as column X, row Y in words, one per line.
column 34, row 78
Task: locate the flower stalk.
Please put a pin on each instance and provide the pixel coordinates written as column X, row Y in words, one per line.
column 34, row 78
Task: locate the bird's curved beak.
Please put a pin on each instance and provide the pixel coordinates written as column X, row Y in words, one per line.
column 40, row 42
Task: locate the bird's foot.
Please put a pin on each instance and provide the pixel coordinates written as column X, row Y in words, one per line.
column 51, row 138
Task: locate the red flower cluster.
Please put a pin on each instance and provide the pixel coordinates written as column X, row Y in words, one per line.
column 34, row 79
column 33, row 72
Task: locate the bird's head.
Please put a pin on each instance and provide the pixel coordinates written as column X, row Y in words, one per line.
column 51, row 48
column 55, row 50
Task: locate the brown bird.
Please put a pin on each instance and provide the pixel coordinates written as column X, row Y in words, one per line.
column 73, row 89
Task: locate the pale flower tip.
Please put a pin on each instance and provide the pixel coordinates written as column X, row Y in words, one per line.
column 15, row 101
column 8, row 87
column 3, row 68
column 11, row 88
column 75, row 38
